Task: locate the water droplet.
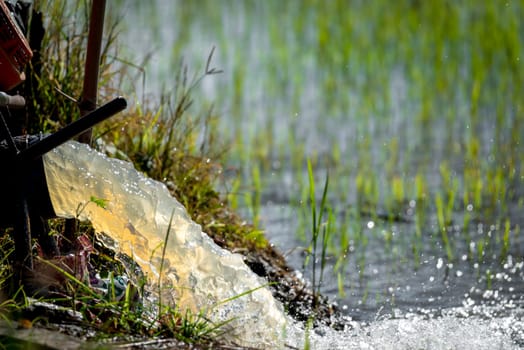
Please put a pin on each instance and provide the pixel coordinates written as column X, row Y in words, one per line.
column 440, row 263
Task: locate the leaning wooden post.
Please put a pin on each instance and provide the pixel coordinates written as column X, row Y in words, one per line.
column 94, row 44
column 88, row 99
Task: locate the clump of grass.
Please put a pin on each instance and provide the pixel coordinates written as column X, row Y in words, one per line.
column 111, row 318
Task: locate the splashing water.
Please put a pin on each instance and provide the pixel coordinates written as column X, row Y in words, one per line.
column 446, row 333
column 196, row 273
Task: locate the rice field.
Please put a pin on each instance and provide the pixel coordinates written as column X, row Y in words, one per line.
column 415, row 109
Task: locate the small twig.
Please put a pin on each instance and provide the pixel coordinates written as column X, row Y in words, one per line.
column 212, row 70
column 71, row 98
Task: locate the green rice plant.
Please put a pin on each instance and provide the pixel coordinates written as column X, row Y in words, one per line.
column 480, row 250
column 307, row 340
column 468, row 208
column 516, row 233
column 443, row 225
column 303, row 218
column 467, row 212
column 473, row 182
column 254, row 197
column 321, row 230
column 365, row 295
column 233, row 193
column 421, row 197
column 419, row 205
column 340, row 284
column 496, row 187
column 367, row 191
column 450, row 205
column 360, row 241
column 506, row 244
column 327, row 232
column 344, row 242
column 489, row 279
column 398, row 189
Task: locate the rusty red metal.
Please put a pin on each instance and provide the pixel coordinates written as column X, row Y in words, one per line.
column 14, row 50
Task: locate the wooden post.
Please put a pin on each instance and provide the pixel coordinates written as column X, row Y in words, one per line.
column 92, row 64
column 87, row 102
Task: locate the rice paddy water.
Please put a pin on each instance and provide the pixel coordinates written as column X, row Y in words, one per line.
column 416, row 110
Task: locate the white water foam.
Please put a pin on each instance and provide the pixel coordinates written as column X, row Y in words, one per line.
column 196, row 273
column 443, row 333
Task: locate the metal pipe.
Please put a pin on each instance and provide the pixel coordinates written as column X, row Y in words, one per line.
column 75, row 128
column 13, row 102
